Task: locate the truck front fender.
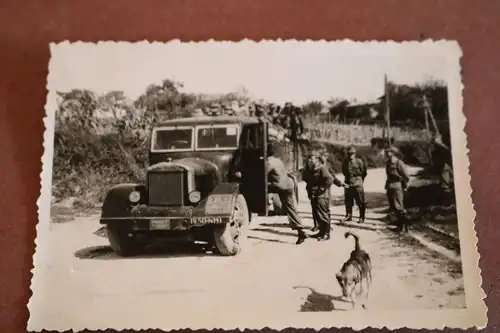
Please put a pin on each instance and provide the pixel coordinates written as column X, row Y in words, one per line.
column 117, row 203
column 219, row 202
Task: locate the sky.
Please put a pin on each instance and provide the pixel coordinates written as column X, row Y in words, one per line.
column 274, row 71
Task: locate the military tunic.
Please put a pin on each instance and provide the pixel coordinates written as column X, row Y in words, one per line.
column 397, row 181
column 318, row 183
column 280, row 183
column 354, row 171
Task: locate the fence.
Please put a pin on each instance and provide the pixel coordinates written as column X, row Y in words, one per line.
column 321, row 128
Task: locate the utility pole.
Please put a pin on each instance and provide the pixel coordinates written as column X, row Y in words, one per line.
column 427, row 129
column 387, row 109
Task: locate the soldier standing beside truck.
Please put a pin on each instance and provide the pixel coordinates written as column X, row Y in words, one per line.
column 280, row 183
column 354, row 170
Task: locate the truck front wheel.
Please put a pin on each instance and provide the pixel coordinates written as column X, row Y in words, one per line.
column 121, row 241
column 230, row 237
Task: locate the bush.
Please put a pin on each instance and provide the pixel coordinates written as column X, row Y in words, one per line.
column 88, row 160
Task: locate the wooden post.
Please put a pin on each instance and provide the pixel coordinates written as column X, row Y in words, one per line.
column 387, row 109
column 429, row 110
column 428, row 132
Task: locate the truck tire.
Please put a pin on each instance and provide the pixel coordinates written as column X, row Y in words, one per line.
column 122, row 243
column 229, row 238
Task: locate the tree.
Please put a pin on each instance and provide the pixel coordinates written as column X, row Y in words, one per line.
column 166, row 100
column 338, row 108
column 312, row 107
column 78, row 104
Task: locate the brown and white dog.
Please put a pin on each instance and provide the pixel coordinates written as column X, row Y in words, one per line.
column 355, row 276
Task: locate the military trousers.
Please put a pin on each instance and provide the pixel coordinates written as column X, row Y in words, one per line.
column 395, row 197
column 316, row 226
column 355, row 194
column 321, row 213
column 289, row 204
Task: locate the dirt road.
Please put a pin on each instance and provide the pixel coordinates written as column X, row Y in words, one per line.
column 86, row 282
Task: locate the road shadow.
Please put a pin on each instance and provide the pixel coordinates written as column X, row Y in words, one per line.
column 367, row 225
column 360, row 226
column 317, row 302
column 275, row 225
column 341, row 217
column 382, row 210
column 105, row 252
column 373, row 200
column 275, row 232
column 270, row 240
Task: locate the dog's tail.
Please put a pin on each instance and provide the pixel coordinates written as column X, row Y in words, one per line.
column 356, row 240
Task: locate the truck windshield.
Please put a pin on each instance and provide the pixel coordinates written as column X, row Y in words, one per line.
column 172, row 139
column 214, row 137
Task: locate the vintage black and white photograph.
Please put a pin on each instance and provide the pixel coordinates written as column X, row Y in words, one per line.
column 255, row 184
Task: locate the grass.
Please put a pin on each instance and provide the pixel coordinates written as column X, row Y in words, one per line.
column 358, row 134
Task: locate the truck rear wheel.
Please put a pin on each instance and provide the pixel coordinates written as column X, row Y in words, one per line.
column 121, row 241
column 230, row 237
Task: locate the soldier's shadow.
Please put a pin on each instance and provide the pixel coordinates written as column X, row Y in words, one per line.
column 276, row 225
column 275, row 232
column 271, row 240
column 318, row 302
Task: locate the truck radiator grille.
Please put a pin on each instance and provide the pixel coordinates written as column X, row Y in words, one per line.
column 166, row 188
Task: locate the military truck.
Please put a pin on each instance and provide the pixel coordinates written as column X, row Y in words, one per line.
column 205, row 179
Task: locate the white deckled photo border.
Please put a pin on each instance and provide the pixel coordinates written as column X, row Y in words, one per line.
column 474, row 315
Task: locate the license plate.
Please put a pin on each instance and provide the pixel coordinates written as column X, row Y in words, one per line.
column 160, row 224
column 206, row 220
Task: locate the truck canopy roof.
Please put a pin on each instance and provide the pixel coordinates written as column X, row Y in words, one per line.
column 209, row 120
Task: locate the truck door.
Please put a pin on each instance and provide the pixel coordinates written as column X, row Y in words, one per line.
column 254, row 167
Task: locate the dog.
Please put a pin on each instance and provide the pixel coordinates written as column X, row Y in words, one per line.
column 355, row 276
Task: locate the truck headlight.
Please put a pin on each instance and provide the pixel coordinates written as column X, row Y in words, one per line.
column 195, row 197
column 134, row 196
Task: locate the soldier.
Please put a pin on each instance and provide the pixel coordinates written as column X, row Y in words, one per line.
column 280, row 183
column 296, row 123
column 306, row 177
column 259, row 111
column 228, row 110
column 396, row 184
column 318, row 184
column 215, row 109
column 324, row 160
column 442, row 160
column 354, row 170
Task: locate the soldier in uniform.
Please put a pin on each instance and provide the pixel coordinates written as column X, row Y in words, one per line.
column 280, row 183
column 354, row 170
column 306, row 177
column 215, row 109
column 259, row 111
column 324, row 159
column 228, row 110
column 318, row 184
column 396, row 184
